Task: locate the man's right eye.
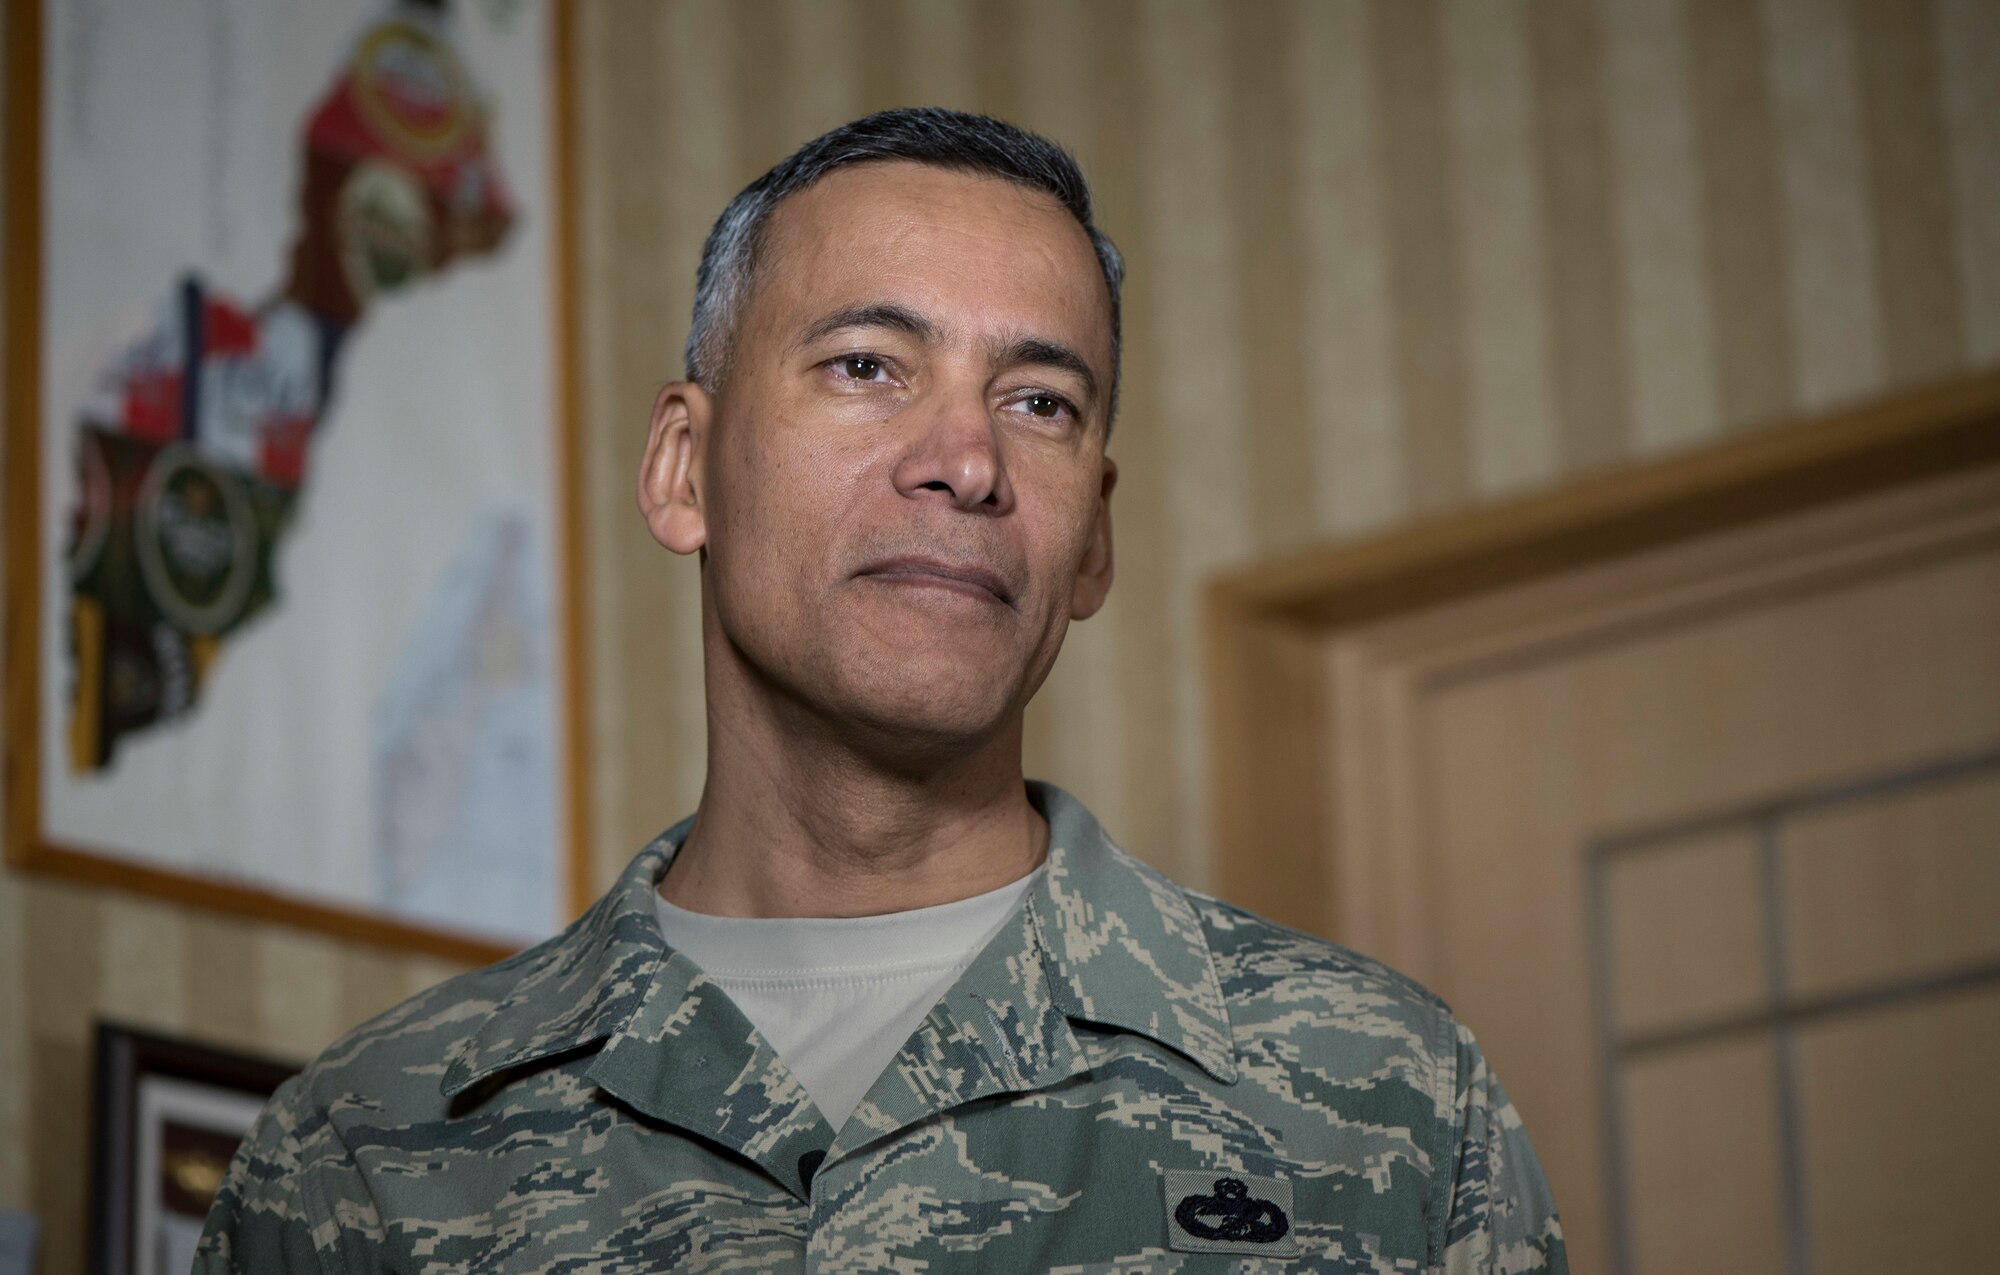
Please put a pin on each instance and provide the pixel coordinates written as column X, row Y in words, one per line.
column 859, row 366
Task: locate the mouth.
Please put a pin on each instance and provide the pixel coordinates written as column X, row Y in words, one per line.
column 963, row 578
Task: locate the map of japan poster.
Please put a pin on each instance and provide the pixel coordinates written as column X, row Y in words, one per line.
column 290, row 388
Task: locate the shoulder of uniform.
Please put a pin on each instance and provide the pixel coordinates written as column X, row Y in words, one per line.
column 400, row 1056
column 1267, row 969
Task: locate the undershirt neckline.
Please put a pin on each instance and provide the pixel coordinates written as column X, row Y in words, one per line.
column 839, row 948
column 837, row 997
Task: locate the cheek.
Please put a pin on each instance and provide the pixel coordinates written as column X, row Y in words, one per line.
column 1061, row 539
column 780, row 512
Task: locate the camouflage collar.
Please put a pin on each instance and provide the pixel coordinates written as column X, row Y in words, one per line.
column 579, row 987
column 1120, row 946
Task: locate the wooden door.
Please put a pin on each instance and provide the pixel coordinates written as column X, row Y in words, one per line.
column 1700, row 832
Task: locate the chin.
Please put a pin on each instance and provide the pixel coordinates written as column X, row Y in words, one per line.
column 931, row 705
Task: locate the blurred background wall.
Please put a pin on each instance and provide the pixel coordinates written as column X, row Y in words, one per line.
column 1388, row 259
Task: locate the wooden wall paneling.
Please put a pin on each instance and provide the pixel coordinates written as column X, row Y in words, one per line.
column 1511, row 431
column 1424, row 270
column 1911, row 212
column 1968, row 36
column 1832, row 289
column 1585, row 282
column 1661, row 195
column 64, row 970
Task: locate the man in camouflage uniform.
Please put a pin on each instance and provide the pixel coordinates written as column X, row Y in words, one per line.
column 889, row 452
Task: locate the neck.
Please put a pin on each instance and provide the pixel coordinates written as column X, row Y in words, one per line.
column 798, row 821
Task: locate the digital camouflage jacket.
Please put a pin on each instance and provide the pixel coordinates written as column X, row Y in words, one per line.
column 1131, row 1077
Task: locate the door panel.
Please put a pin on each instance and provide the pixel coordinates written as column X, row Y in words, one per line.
column 1686, row 936
column 1899, row 1115
column 1901, row 887
column 1703, row 1151
column 1670, row 834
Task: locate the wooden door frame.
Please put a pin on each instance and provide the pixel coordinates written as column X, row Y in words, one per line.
column 1268, row 625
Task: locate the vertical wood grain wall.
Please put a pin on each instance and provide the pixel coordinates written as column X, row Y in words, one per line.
column 1387, row 258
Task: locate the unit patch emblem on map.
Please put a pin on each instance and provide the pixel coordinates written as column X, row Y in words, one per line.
column 192, row 441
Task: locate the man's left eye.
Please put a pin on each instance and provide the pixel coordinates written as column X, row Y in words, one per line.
column 1047, row 406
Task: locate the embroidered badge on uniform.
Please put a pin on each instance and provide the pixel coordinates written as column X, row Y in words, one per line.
column 1222, row 1212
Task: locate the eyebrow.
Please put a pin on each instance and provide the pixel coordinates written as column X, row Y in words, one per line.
column 899, row 318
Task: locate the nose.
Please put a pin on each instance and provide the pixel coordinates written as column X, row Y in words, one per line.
column 956, row 456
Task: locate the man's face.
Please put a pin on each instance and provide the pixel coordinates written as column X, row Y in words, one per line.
column 906, row 490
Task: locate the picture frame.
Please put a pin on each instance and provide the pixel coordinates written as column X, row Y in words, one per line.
column 251, row 616
column 167, row 1116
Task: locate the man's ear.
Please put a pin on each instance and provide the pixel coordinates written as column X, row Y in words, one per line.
column 1093, row 574
column 671, row 479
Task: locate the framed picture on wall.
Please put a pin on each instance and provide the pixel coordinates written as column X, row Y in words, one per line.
column 168, row 1116
column 293, row 599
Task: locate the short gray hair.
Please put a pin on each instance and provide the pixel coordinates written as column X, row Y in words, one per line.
column 932, row 135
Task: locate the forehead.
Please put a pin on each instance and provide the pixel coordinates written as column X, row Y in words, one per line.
column 958, row 245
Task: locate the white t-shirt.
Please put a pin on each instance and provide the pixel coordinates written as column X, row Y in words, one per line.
column 838, row 996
